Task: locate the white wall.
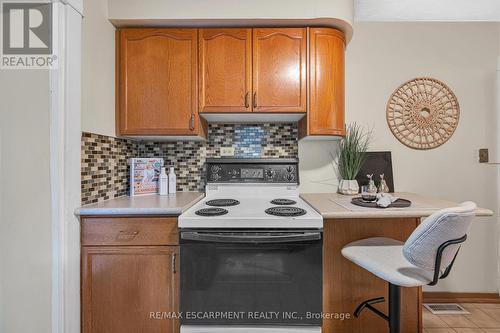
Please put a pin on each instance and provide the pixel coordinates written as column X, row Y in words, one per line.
column 231, row 9
column 380, row 57
column 2, row 305
column 497, row 157
column 427, row 10
column 98, row 69
column 25, row 220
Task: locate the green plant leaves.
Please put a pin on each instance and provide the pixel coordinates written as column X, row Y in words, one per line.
column 352, row 151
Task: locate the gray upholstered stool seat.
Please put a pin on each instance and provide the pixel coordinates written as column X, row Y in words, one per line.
column 384, row 258
column 426, row 256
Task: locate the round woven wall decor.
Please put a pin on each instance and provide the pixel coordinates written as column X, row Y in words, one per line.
column 423, row 113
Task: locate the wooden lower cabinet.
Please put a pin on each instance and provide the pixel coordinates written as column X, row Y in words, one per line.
column 346, row 285
column 129, row 274
column 123, row 286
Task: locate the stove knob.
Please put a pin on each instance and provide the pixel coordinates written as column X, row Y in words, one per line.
column 215, row 176
column 290, row 177
column 289, row 169
column 215, row 168
column 270, row 173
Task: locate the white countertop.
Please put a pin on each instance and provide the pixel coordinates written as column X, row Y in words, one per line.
column 172, row 204
column 336, row 206
column 327, row 204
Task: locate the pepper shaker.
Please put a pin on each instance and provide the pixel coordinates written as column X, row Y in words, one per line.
column 371, row 184
column 383, row 188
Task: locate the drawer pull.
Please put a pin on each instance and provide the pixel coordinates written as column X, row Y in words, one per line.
column 255, row 99
column 127, row 235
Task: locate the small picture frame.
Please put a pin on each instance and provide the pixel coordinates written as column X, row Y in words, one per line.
column 144, row 173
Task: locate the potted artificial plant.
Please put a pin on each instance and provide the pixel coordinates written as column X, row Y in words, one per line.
column 350, row 157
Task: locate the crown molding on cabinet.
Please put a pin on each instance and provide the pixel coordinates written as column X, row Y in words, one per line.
column 340, row 24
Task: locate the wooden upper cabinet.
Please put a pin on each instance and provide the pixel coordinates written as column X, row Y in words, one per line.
column 279, row 70
column 225, row 70
column 326, row 112
column 122, row 286
column 157, row 82
column 166, row 77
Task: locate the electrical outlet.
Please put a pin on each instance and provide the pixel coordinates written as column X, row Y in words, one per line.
column 227, row 151
column 483, row 155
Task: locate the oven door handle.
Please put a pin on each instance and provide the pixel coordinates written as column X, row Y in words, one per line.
column 255, row 239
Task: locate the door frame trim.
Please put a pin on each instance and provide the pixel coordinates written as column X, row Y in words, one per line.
column 65, row 152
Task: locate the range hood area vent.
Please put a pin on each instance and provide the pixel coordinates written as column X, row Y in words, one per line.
column 252, row 118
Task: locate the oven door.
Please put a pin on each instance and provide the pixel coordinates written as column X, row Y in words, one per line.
column 251, row 277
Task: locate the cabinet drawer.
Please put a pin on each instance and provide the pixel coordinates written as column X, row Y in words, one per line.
column 129, row 231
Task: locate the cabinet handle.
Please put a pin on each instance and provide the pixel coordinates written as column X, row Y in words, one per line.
column 246, row 100
column 255, row 99
column 174, row 257
column 126, row 235
column 191, row 122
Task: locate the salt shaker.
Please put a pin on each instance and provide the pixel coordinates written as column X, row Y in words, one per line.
column 383, row 188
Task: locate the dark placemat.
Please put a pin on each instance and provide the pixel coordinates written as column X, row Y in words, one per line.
column 400, row 203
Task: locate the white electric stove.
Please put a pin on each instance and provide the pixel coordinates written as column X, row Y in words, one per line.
column 250, row 206
column 252, row 193
column 251, row 246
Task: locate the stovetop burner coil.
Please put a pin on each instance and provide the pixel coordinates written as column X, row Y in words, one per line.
column 211, row 211
column 286, row 211
column 222, row 202
column 283, row 202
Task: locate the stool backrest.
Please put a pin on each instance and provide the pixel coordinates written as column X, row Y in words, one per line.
column 447, row 224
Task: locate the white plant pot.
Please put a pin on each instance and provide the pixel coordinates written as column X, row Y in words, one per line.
column 348, row 187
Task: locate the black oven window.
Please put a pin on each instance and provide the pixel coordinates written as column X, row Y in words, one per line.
column 246, row 278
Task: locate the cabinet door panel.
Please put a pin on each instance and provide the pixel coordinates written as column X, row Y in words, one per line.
column 225, row 70
column 122, row 286
column 158, row 82
column 326, row 113
column 279, row 70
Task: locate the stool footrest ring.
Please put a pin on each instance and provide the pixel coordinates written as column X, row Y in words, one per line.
column 369, row 305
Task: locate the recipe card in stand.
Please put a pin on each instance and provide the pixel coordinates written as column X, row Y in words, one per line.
column 144, row 174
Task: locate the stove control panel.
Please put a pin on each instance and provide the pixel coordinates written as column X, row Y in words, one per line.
column 253, row 171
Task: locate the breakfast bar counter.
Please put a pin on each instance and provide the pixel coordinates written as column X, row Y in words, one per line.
column 346, row 285
column 338, row 206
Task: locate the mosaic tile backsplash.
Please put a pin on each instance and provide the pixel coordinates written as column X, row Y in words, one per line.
column 105, row 169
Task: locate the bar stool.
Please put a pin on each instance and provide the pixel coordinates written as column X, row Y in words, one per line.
column 427, row 256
